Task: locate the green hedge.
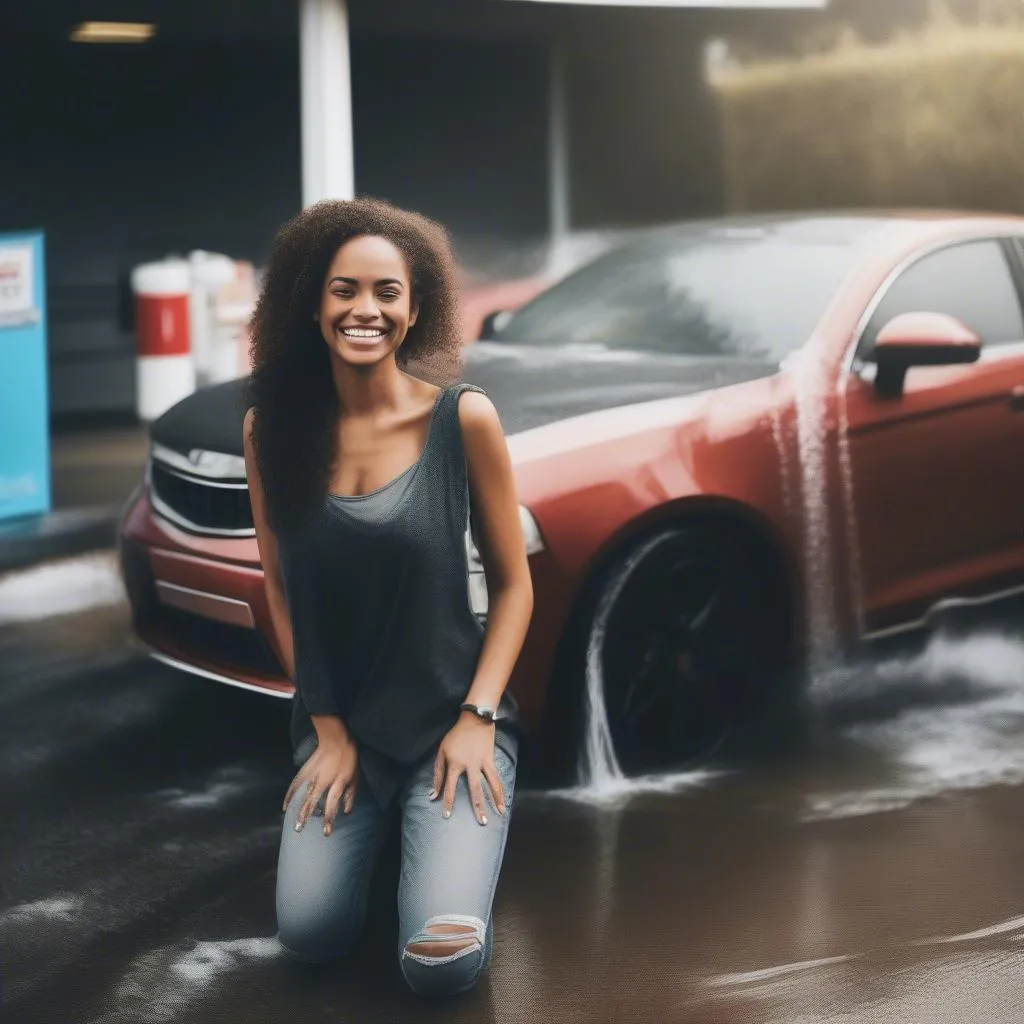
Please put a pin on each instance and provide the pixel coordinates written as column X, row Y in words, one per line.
column 934, row 122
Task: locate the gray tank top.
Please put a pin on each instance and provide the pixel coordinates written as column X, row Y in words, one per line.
column 384, row 632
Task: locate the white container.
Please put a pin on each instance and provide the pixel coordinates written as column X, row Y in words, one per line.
column 209, row 272
column 230, row 337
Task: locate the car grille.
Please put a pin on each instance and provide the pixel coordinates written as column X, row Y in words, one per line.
column 220, row 646
column 235, row 648
column 218, row 507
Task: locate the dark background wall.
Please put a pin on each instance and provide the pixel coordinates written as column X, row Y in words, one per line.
column 124, row 154
column 455, row 128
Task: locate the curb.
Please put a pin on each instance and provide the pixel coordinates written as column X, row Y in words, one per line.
column 33, row 539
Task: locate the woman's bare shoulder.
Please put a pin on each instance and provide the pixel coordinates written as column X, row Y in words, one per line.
column 477, row 413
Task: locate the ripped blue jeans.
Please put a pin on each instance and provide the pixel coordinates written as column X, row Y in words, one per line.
column 449, row 875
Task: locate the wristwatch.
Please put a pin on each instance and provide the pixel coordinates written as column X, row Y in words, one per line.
column 488, row 714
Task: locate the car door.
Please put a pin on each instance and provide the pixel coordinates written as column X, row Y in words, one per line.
column 937, row 474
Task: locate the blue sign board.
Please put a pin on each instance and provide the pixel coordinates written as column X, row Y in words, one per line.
column 24, row 416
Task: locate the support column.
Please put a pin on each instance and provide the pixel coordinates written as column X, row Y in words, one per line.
column 326, row 83
column 558, row 164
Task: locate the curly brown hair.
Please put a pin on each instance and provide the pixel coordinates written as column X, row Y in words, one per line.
column 291, row 388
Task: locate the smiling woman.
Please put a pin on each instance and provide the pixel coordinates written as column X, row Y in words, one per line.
column 310, row 289
column 361, row 478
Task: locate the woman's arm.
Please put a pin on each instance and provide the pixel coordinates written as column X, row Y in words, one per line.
column 334, row 764
column 328, row 721
column 270, row 557
column 469, row 745
column 499, row 539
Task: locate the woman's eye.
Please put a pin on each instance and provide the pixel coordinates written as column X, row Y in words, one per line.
column 388, row 296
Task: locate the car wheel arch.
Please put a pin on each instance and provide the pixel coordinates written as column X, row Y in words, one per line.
column 699, row 510
column 707, row 512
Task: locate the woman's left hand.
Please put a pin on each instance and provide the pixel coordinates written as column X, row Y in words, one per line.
column 468, row 747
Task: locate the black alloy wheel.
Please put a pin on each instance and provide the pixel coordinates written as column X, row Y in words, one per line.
column 689, row 636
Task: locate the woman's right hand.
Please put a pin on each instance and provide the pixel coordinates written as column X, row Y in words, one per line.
column 334, row 767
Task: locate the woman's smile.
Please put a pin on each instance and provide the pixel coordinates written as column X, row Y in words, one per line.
column 365, row 336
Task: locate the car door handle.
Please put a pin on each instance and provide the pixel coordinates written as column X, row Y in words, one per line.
column 1017, row 398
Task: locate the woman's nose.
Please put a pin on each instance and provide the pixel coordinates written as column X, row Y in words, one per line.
column 363, row 302
column 366, row 308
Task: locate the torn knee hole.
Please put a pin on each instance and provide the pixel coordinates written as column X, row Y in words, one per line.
column 443, row 939
column 442, row 949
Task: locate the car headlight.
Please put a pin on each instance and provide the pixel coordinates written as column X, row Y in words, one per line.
column 531, row 534
column 477, row 581
column 531, row 531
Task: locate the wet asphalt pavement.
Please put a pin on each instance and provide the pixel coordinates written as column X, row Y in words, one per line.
column 873, row 876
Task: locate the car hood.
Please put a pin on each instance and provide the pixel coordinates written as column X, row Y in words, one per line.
column 531, row 386
column 210, row 418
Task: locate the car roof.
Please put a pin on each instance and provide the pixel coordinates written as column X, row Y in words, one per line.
column 839, row 225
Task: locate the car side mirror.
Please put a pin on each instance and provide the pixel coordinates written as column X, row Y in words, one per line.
column 920, row 339
column 493, row 323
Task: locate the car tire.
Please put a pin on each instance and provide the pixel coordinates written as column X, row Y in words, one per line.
column 687, row 643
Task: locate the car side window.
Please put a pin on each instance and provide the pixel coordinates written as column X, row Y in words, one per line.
column 971, row 281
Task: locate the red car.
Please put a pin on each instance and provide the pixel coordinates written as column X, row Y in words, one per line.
column 740, row 444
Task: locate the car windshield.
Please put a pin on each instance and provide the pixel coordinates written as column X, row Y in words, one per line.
column 748, row 291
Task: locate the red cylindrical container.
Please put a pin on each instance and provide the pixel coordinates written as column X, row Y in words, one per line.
column 165, row 368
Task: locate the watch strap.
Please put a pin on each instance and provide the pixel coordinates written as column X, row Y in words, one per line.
column 485, row 713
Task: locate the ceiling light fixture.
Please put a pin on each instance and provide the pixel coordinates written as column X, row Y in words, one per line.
column 112, row 32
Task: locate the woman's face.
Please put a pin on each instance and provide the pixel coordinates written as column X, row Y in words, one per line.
column 366, row 306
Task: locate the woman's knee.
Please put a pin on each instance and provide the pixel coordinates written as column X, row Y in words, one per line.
column 446, row 956
column 315, row 948
column 316, row 940
column 320, row 915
